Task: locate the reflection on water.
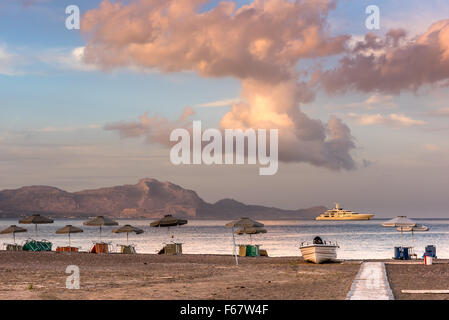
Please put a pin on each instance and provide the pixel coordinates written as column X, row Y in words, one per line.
column 357, row 239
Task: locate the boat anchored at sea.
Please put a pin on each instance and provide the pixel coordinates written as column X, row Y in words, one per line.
column 338, row 213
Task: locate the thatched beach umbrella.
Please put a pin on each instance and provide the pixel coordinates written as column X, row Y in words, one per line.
column 245, row 224
column 400, row 222
column 13, row 229
column 36, row 219
column 99, row 222
column 128, row 229
column 69, row 229
column 168, row 221
column 250, row 231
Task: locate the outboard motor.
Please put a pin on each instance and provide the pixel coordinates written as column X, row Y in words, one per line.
column 317, row 240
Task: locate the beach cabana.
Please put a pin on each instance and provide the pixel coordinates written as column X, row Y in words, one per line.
column 100, row 221
column 13, row 229
column 69, row 229
column 244, row 224
column 128, row 229
column 35, row 219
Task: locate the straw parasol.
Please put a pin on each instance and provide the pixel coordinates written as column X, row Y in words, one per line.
column 35, row 219
column 128, row 229
column 168, row 221
column 69, row 229
column 100, row 221
column 401, row 223
column 245, row 224
column 13, row 229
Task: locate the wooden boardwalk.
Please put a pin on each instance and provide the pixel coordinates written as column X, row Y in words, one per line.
column 371, row 283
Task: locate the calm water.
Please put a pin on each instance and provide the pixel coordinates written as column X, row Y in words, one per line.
column 357, row 239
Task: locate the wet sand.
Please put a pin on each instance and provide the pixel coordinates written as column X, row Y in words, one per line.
column 41, row 275
column 417, row 276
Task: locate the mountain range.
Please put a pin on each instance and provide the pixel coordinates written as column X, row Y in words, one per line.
column 149, row 198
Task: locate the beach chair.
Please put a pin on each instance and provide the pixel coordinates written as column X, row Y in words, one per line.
column 100, row 247
column 12, row 247
column 127, row 249
column 430, row 251
column 171, row 249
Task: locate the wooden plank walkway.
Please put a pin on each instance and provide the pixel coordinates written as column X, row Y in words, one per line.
column 371, row 283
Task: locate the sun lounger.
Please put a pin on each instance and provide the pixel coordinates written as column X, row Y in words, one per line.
column 100, row 248
column 171, row 249
column 33, row 245
column 12, row 247
column 127, row 249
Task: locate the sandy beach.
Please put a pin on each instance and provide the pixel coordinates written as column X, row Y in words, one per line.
column 416, row 276
column 41, row 275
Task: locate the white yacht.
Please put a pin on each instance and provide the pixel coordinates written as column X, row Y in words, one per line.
column 338, row 213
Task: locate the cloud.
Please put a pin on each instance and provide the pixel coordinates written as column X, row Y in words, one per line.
column 375, row 101
column 442, row 112
column 260, row 44
column 404, row 64
column 9, row 63
column 66, row 59
column 394, row 120
column 52, row 129
column 218, row 103
column 154, row 129
column 431, row 147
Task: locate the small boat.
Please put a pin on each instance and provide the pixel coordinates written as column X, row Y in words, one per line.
column 319, row 251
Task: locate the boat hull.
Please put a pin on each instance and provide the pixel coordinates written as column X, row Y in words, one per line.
column 319, row 253
column 355, row 217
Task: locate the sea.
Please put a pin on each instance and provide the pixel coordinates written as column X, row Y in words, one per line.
column 357, row 239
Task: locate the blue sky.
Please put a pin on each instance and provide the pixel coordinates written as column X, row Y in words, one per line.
column 53, row 108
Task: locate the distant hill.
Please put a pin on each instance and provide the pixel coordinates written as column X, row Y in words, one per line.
column 149, row 198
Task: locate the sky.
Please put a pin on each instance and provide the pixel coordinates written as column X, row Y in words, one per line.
column 363, row 114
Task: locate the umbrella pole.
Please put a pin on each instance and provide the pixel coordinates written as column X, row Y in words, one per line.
column 14, row 237
column 127, row 238
column 35, row 227
column 235, row 250
column 100, row 234
column 69, row 240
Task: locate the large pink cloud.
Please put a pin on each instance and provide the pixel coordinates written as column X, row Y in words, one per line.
column 260, row 44
column 393, row 64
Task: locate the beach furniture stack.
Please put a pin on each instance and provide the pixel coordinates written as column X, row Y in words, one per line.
column 247, row 226
column 171, row 249
column 68, row 229
column 128, row 248
column 13, row 229
column 168, row 221
column 249, row 250
column 33, row 245
column 100, row 221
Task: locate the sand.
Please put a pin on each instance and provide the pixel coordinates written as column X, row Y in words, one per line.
column 417, row 276
column 41, row 275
